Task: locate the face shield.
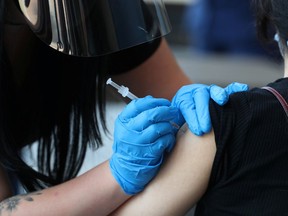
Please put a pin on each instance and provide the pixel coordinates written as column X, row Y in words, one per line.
column 95, row 27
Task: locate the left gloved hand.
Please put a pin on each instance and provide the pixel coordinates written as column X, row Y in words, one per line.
column 143, row 133
column 193, row 102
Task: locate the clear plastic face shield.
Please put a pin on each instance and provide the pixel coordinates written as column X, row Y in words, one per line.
column 95, row 27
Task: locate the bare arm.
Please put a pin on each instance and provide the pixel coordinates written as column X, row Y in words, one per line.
column 181, row 181
column 5, row 187
column 93, row 193
column 159, row 76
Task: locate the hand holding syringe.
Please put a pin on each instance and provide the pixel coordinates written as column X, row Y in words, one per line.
column 124, row 91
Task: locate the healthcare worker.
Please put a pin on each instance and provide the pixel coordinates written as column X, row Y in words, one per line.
column 55, row 59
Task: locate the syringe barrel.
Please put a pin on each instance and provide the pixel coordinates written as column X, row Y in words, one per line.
column 131, row 96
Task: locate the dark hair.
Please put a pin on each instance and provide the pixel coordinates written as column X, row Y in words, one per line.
column 271, row 13
column 69, row 116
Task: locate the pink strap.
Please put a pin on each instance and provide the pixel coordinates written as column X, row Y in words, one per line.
column 279, row 97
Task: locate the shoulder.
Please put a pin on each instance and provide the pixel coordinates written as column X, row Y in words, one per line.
column 129, row 59
column 235, row 113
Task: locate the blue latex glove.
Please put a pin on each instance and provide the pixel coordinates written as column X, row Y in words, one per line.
column 193, row 102
column 142, row 134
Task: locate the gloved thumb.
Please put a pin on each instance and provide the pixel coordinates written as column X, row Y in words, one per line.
column 236, row 87
column 218, row 94
column 221, row 95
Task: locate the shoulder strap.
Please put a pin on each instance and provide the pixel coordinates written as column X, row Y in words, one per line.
column 279, row 97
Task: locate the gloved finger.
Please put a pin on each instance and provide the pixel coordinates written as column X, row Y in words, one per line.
column 185, row 101
column 201, row 98
column 147, row 161
column 154, row 132
column 219, row 94
column 236, row 87
column 190, row 116
column 138, row 146
column 181, row 104
column 163, row 144
column 136, row 107
column 152, row 116
column 137, row 154
column 185, row 93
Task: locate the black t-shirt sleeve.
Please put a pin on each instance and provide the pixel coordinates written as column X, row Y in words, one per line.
column 230, row 124
column 128, row 59
column 249, row 174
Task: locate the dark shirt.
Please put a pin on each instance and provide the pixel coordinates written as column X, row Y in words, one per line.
column 250, row 170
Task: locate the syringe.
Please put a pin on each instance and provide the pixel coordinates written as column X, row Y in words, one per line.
column 124, row 91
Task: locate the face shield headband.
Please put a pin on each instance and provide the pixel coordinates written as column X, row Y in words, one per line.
column 95, row 27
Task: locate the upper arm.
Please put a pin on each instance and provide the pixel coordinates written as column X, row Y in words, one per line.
column 181, row 182
column 160, row 75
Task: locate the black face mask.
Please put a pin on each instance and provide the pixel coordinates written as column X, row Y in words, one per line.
column 89, row 28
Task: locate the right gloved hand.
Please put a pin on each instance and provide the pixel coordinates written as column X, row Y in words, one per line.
column 193, row 102
column 142, row 134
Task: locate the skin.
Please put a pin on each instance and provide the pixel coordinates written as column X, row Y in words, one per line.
column 5, row 187
column 94, row 193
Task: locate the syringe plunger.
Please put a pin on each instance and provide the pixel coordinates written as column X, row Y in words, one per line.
column 123, row 90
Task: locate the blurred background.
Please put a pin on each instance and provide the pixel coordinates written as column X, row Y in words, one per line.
column 214, row 41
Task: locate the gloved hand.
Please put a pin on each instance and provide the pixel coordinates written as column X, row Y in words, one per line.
column 142, row 134
column 193, row 102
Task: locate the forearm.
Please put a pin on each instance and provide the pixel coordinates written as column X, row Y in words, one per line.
column 93, row 193
column 159, row 76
